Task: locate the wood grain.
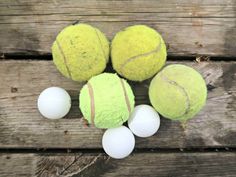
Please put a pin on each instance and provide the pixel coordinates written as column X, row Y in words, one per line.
column 189, row 28
column 22, row 126
column 138, row 164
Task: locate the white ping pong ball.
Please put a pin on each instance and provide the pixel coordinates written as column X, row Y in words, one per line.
column 118, row 142
column 144, row 121
column 54, row 103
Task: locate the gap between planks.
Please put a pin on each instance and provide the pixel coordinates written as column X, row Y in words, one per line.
column 136, row 150
column 169, row 57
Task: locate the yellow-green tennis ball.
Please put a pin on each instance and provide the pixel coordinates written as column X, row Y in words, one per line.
column 178, row 92
column 138, row 52
column 80, row 52
column 106, row 101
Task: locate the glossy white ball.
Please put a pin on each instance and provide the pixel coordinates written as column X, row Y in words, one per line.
column 118, row 142
column 144, row 121
column 54, row 103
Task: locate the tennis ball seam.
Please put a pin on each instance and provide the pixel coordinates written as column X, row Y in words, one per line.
column 157, row 49
column 165, row 78
column 100, row 43
column 64, row 58
column 126, row 96
column 92, row 105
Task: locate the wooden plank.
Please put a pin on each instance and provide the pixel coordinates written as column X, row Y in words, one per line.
column 189, row 28
column 138, row 164
column 22, row 126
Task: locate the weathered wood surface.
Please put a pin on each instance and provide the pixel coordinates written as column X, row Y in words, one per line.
column 198, row 27
column 138, row 165
column 22, row 126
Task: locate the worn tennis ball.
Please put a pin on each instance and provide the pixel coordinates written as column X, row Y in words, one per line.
column 106, row 101
column 80, row 52
column 138, row 52
column 178, row 92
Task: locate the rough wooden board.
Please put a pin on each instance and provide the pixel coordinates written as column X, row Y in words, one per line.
column 138, row 164
column 21, row 125
column 198, row 27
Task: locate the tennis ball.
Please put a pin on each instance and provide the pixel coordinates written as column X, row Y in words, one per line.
column 178, row 92
column 80, row 52
column 138, row 52
column 106, row 101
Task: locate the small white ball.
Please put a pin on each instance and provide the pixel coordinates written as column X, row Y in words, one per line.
column 144, row 121
column 54, row 103
column 118, row 142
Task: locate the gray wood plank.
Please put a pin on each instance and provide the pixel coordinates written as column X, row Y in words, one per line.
column 138, row 164
column 189, row 28
column 22, row 126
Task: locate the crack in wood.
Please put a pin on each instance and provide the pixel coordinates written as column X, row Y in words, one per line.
column 91, row 163
column 76, row 158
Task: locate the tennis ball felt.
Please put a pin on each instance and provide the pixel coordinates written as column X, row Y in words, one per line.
column 178, row 92
column 80, row 52
column 106, row 101
column 138, row 52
